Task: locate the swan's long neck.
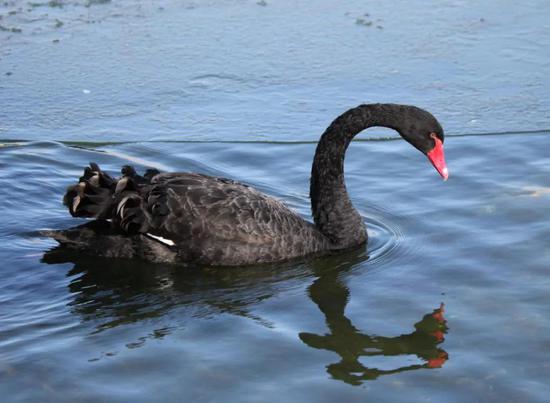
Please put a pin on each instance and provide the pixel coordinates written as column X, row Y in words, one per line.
column 333, row 211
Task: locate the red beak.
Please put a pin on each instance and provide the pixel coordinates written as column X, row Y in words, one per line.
column 437, row 158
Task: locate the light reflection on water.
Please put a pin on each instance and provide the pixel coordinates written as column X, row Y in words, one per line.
column 233, row 70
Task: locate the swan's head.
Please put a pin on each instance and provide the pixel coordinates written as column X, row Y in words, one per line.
column 423, row 131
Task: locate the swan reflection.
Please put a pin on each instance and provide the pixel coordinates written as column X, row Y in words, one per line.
column 331, row 296
column 113, row 293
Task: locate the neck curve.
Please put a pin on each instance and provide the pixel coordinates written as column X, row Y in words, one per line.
column 333, row 212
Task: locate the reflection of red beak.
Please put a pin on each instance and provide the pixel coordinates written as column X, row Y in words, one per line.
column 438, row 362
column 437, row 158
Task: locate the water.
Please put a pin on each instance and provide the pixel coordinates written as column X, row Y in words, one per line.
column 242, row 90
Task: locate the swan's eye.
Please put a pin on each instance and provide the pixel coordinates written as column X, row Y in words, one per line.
column 435, row 137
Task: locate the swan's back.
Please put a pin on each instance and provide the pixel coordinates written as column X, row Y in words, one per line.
column 220, row 221
column 201, row 218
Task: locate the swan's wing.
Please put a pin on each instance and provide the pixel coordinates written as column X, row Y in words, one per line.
column 190, row 206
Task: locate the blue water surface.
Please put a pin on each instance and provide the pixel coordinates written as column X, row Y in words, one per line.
column 450, row 301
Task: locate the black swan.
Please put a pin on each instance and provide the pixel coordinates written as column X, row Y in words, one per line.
column 195, row 218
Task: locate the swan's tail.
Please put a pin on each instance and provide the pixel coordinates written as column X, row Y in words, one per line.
column 98, row 238
column 98, row 195
column 92, row 195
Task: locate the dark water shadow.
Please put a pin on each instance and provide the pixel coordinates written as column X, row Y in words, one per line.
column 115, row 292
column 110, row 293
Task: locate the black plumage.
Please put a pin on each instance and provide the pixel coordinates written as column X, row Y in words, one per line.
column 191, row 217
